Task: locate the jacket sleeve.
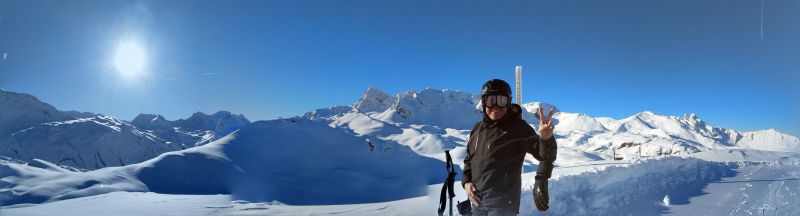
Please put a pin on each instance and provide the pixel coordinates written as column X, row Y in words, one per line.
column 466, row 176
column 543, row 150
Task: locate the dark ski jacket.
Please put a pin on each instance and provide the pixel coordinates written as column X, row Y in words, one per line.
column 495, row 152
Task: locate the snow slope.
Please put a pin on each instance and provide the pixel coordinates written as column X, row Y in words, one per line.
column 294, row 161
column 757, row 189
column 736, row 182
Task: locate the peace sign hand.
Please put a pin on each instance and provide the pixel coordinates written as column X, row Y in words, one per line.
column 545, row 124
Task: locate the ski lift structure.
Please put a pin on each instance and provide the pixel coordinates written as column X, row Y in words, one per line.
column 621, row 156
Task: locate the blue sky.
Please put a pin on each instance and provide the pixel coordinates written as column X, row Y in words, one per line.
column 269, row 59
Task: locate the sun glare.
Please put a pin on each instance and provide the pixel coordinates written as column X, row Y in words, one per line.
column 130, row 59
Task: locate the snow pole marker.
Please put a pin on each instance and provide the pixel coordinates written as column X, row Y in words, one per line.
column 518, row 78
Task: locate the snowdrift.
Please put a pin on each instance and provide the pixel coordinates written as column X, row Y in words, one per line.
column 635, row 189
column 300, row 161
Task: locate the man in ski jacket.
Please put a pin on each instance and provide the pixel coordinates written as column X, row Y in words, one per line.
column 496, row 149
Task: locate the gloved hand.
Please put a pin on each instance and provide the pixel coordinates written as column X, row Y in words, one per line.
column 540, row 196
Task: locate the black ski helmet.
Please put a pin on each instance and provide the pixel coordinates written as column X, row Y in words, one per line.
column 496, row 87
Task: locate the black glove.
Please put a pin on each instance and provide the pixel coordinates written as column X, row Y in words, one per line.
column 540, row 197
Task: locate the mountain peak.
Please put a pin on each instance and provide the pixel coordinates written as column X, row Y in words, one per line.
column 198, row 115
column 146, row 117
column 222, row 113
column 374, row 100
column 646, row 113
column 769, row 139
column 151, row 121
column 433, row 107
column 533, row 107
column 21, row 110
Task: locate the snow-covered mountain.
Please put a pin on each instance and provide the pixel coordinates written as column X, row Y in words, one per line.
column 20, row 111
column 87, row 143
column 79, row 114
column 769, row 139
column 31, row 129
column 432, row 121
column 429, row 121
column 442, row 108
column 654, row 134
column 197, row 130
column 374, row 100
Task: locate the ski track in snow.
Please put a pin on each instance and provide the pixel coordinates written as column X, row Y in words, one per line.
column 756, row 190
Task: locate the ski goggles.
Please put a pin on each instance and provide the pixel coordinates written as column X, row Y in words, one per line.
column 495, row 101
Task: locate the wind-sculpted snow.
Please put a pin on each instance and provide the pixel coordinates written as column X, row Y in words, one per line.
column 300, row 161
column 636, row 189
column 40, row 181
column 293, row 161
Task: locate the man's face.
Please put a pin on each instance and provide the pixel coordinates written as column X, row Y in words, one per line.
column 495, row 113
column 495, row 106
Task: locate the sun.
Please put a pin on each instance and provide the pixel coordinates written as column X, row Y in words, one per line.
column 130, row 59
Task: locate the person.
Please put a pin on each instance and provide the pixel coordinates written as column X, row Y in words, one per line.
column 496, row 149
column 371, row 147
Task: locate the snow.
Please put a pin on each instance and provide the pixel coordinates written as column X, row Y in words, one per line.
column 374, row 100
column 642, row 134
column 770, row 139
column 197, row 130
column 695, row 187
column 21, row 111
column 443, row 108
column 321, row 163
column 251, row 164
column 578, row 122
column 87, row 143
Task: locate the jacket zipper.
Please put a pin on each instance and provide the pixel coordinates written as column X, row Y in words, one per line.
column 477, row 139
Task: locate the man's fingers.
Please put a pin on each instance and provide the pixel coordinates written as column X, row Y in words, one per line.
column 541, row 116
column 539, row 204
column 475, row 200
column 550, row 115
column 474, row 195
